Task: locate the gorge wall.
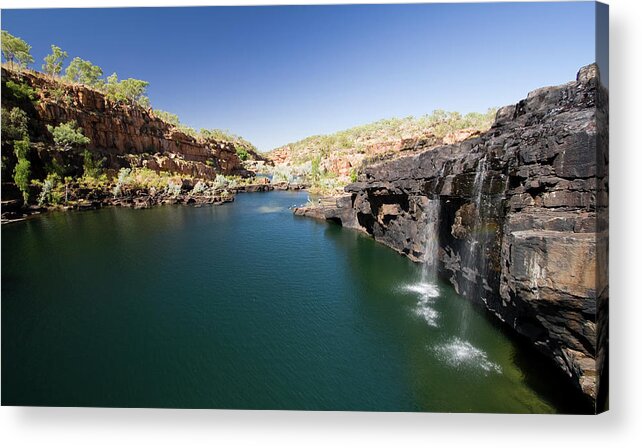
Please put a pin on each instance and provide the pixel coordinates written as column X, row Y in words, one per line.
column 126, row 135
column 523, row 219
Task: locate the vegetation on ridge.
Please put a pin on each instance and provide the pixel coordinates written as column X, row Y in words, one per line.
column 129, row 91
column 60, row 168
column 358, row 138
column 360, row 145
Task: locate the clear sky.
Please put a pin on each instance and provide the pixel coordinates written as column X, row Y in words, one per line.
column 279, row 74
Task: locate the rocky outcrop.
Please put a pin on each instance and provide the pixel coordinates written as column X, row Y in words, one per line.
column 523, row 218
column 343, row 162
column 118, row 131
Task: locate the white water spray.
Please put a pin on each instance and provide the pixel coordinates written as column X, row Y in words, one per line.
column 427, row 289
column 458, row 352
column 462, row 354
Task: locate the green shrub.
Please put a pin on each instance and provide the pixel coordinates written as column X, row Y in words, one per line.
column 22, row 170
column 315, row 172
column 188, row 130
column 220, row 181
column 173, row 187
column 128, row 91
column 14, row 124
column 84, row 72
column 242, row 153
column 226, row 136
column 92, row 166
column 21, row 91
column 21, row 175
column 167, row 117
column 123, row 177
column 16, row 49
column 199, row 188
column 53, row 62
column 60, row 94
column 21, row 148
column 52, row 190
column 67, row 136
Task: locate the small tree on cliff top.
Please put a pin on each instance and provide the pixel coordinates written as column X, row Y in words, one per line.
column 130, row 90
column 167, row 117
column 84, row 72
column 53, row 62
column 16, row 49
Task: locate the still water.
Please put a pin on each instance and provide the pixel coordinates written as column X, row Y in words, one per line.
column 245, row 306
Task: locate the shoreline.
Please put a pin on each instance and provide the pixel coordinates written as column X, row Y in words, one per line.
column 139, row 200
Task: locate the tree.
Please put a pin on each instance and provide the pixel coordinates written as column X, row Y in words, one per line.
column 53, row 62
column 316, row 169
column 84, row 72
column 16, row 49
column 21, row 175
column 67, row 137
column 14, row 124
column 22, row 171
column 134, row 91
column 167, row 117
column 92, row 166
column 242, row 153
column 130, row 91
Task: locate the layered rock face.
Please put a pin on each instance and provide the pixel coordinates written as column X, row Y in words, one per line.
column 119, row 131
column 523, row 218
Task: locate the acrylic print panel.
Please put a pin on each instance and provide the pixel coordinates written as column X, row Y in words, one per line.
column 361, row 208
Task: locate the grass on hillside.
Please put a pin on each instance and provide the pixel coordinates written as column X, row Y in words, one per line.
column 358, row 138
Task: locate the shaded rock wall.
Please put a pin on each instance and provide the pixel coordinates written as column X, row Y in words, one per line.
column 520, row 207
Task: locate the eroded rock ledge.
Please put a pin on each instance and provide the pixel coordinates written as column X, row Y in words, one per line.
column 523, row 218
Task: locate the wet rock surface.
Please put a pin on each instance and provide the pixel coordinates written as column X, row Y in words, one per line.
column 523, row 218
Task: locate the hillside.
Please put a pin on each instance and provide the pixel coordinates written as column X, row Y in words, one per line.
column 64, row 142
column 331, row 161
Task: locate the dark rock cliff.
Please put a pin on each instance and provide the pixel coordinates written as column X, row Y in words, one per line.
column 523, row 218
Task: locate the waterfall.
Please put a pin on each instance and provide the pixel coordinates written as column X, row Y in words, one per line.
column 427, row 289
column 431, row 238
column 457, row 351
column 473, row 263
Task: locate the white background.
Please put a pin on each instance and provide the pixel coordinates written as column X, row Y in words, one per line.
column 68, row 427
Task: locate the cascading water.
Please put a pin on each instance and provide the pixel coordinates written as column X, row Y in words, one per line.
column 427, row 287
column 431, row 238
column 472, row 263
column 457, row 351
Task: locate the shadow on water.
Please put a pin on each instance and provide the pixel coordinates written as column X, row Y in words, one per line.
column 544, row 376
column 381, row 273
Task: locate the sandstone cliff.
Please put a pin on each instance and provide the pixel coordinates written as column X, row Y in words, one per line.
column 523, row 219
column 125, row 135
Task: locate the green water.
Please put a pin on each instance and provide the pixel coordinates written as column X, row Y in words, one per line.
column 244, row 306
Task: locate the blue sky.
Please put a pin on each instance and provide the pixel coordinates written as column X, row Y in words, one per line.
column 279, row 74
